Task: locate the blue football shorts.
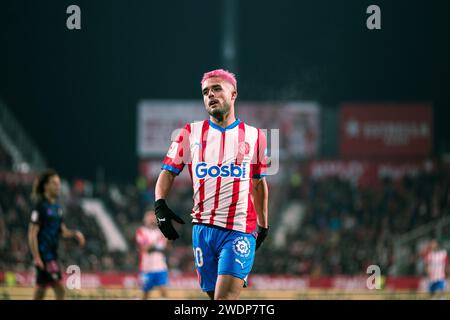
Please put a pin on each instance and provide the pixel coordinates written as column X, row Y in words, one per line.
column 219, row 251
column 435, row 286
column 148, row 280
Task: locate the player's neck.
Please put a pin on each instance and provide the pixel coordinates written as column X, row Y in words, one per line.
column 50, row 198
column 226, row 121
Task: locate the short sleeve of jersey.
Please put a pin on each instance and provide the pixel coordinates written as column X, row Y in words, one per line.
column 38, row 214
column 259, row 162
column 179, row 151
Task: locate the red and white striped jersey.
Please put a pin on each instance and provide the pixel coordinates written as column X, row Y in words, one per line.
column 151, row 261
column 222, row 163
column 436, row 262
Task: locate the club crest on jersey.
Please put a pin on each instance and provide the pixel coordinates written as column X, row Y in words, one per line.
column 202, row 170
column 241, row 246
column 244, row 148
column 54, row 212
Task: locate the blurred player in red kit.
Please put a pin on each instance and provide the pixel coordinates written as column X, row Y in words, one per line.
column 152, row 261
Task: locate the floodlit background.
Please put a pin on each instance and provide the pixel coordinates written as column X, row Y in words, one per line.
column 363, row 133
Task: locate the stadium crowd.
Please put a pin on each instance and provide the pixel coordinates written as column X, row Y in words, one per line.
column 345, row 228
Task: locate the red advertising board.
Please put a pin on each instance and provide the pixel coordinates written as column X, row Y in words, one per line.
column 296, row 122
column 257, row 281
column 386, row 130
column 368, row 173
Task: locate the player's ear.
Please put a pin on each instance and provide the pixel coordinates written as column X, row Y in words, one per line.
column 234, row 95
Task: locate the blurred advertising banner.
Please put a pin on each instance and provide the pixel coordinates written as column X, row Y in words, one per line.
column 386, row 130
column 368, row 173
column 157, row 119
column 17, row 178
column 298, row 123
column 151, row 168
column 258, row 281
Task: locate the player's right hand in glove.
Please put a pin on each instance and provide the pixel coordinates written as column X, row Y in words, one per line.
column 164, row 218
column 262, row 234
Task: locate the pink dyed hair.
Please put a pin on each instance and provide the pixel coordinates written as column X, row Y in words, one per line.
column 224, row 74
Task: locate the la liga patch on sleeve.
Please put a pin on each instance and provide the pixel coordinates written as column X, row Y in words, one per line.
column 172, row 150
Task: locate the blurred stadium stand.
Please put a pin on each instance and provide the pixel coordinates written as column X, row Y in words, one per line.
column 332, row 217
column 114, row 238
column 17, row 150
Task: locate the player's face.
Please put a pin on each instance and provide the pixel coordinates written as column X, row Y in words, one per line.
column 53, row 186
column 218, row 96
column 434, row 245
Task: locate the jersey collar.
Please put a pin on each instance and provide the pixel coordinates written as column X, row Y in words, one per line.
column 231, row 126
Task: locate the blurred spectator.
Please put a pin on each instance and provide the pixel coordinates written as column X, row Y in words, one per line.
column 344, row 228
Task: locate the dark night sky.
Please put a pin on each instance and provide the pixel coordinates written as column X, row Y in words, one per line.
column 75, row 92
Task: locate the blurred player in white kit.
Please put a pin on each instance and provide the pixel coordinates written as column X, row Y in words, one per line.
column 152, row 260
column 436, row 262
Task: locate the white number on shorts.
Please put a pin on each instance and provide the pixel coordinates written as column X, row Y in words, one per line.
column 198, row 254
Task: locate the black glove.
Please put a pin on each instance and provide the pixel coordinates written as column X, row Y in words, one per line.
column 164, row 216
column 262, row 234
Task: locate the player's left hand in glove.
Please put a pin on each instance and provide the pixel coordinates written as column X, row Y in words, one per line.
column 164, row 217
column 262, row 234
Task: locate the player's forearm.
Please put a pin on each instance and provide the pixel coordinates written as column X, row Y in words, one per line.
column 261, row 201
column 68, row 233
column 164, row 184
column 33, row 242
column 34, row 247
